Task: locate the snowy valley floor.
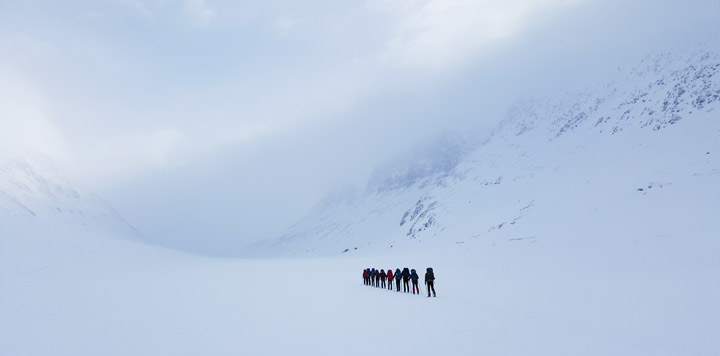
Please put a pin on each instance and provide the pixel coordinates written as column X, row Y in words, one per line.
column 107, row 297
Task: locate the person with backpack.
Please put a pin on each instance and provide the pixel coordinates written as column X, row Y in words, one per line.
column 398, row 275
column 372, row 277
column 430, row 281
column 414, row 277
column 377, row 278
column 383, row 277
column 390, row 278
column 367, row 275
column 406, row 279
column 364, row 276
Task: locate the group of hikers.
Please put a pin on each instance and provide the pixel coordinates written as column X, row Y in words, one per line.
column 378, row 278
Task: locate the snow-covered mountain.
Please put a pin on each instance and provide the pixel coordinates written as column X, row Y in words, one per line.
column 582, row 225
column 634, row 159
column 36, row 195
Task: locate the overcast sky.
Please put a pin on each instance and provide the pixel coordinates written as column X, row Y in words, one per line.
column 211, row 123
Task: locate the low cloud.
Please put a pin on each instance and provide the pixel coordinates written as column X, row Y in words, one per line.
column 25, row 120
column 231, row 118
column 199, row 12
column 285, row 24
column 439, row 34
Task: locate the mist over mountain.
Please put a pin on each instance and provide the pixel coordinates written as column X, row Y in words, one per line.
column 642, row 142
column 437, row 158
column 37, row 198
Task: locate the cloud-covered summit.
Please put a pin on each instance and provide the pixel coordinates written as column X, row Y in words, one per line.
column 178, row 109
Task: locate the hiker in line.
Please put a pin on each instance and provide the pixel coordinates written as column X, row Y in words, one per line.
column 383, row 277
column 377, row 278
column 414, row 276
column 368, row 276
column 430, row 281
column 406, row 278
column 364, row 276
column 398, row 275
column 372, row 277
column 390, row 278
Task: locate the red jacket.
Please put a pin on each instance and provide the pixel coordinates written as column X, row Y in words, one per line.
column 389, row 274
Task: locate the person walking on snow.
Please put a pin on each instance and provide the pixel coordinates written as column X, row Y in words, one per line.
column 365, row 279
column 383, row 277
column 377, row 278
column 430, row 281
column 390, row 278
column 398, row 275
column 406, row 279
column 414, row 276
column 372, row 277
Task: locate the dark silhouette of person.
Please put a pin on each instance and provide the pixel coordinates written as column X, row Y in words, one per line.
column 430, row 281
column 414, row 277
column 406, row 279
column 398, row 276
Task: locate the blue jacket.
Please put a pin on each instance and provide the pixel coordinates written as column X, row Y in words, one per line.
column 414, row 276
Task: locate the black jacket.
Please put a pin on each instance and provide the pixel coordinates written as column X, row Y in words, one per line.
column 429, row 275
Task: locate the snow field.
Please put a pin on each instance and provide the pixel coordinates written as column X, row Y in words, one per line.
column 123, row 298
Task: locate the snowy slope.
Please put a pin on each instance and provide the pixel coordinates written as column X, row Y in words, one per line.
column 36, row 195
column 634, row 159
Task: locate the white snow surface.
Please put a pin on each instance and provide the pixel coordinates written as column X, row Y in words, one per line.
column 36, row 193
column 583, row 226
column 95, row 296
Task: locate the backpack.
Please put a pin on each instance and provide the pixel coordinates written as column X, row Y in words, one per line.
column 429, row 276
